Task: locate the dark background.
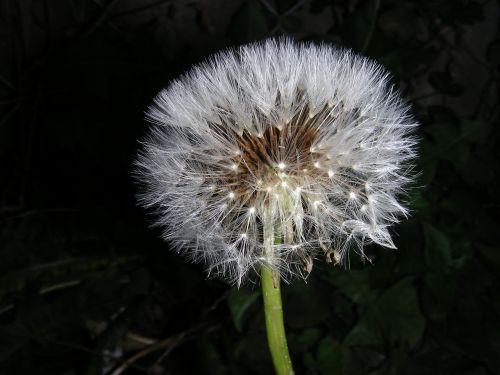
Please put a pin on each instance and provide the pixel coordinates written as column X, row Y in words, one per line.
column 85, row 285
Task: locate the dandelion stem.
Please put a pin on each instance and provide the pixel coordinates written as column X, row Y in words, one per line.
column 270, row 280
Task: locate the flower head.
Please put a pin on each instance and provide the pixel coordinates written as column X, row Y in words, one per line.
column 307, row 136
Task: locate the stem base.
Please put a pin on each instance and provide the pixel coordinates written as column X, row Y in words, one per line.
column 275, row 327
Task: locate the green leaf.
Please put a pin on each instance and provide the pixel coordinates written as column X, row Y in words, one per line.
column 360, row 360
column 329, row 356
column 309, row 337
column 253, row 353
column 438, row 251
column 306, row 304
column 239, row 302
column 367, row 332
column 400, row 311
column 355, row 285
column 210, row 358
column 438, row 295
column 491, row 255
column 442, row 138
column 395, row 317
column 453, row 143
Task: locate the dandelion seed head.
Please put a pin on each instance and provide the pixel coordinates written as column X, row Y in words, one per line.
column 303, row 128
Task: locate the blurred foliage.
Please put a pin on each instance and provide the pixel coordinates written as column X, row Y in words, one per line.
column 87, row 288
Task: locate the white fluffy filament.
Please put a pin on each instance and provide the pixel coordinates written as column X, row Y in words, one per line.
column 313, row 135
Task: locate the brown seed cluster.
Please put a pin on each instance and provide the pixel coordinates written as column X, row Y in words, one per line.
column 283, row 152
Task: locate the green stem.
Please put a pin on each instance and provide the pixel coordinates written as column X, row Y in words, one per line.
column 275, row 327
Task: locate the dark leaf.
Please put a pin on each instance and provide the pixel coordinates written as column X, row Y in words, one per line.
column 248, row 24
column 240, row 302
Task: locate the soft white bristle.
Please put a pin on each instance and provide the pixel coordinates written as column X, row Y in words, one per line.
column 312, row 135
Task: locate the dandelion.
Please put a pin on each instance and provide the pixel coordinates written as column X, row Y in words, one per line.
column 267, row 156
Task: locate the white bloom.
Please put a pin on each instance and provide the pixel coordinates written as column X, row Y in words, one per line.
column 311, row 135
